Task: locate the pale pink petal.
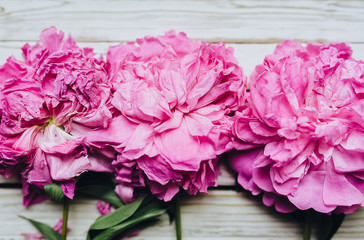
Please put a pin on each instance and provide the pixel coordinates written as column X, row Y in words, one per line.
column 337, row 190
column 51, row 39
column 65, row 167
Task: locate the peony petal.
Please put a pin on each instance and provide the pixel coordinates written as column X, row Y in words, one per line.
column 158, row 170
column 166, row 192
column 55, row 140
column 309, row 194
column 347, row 161
column 66, row 167
column 39, row 174
column 68, row 188
column 338, row 191
column 51, row 39
column 182, row 150
column 241, row 162
column 116, row 134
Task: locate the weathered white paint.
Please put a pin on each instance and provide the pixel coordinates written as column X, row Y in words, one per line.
column 234, row 21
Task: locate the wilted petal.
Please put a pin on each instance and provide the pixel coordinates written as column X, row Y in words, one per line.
column 65, row 167
column 69, row 188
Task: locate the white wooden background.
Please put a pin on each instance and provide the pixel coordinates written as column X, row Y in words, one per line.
column 253, row 27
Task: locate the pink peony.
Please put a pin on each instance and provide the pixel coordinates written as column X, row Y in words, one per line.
column 173, row 97
column 46, row 100
column 305, row 125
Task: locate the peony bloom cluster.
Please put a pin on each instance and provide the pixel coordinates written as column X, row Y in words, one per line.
column 172, row 98
column 303, row 131
column 48, row 101
column 157, row 114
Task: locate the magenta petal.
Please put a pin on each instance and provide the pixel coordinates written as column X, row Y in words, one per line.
column 39, row 173
column 281, row 203
column 164, row 192
column 173, row 144
column 198, row 125
column 354, row 141
column 173, row 122
column 65, row 167
column 116, row 134
column 158, row 170
column 55, row 140
column 69, row 188
column 309, row 194
column 126, row 193
column 241, row 162
column 340, row 158
column 51, row 39
column 100, row 116
column 12, row 69
column 100, row 163
column 337, row 190
column 262, row 178
column 103, row 207
column 27, row 141
column 136, row 145
column 32, row 194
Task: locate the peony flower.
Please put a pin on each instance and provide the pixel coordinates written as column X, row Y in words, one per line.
column 58, row 91
column 173, row 98
column 304, row 128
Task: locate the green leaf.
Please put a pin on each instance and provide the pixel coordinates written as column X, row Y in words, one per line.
column 148, row 213
column 54, row 191
column 47, row 231
column 148, row 205
column 116, row 217
column 102, row 192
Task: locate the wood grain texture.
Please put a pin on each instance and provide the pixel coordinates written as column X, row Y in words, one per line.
column 235, row 21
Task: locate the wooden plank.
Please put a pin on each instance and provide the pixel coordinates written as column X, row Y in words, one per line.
column 220, row 215
column 234, row 21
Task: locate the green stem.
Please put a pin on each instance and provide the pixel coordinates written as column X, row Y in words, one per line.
column 66, row 206
column 178, row 219
column 308, row 226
